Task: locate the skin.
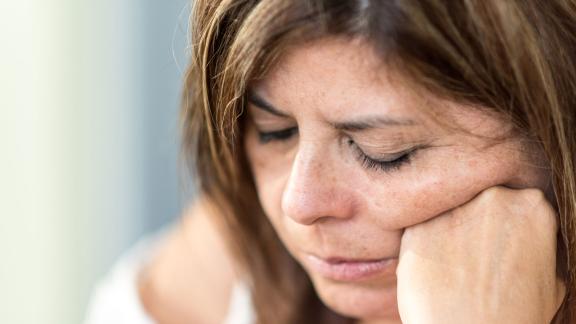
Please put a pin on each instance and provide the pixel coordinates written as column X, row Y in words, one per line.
column 323, row 200
column 190, row 277
column 514, row 232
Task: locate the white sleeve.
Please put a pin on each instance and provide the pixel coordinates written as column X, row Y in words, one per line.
column 240, row 310
column 116, row 299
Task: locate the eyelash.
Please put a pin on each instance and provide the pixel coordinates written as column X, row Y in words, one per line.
column 366, row 161
column 281, row 135
column 380, row 165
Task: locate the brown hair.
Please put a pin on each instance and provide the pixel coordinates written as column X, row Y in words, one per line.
column 516, row 57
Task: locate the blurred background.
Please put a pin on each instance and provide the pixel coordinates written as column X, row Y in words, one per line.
column 89, row 101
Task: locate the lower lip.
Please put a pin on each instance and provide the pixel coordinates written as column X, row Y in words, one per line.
column 350, row 270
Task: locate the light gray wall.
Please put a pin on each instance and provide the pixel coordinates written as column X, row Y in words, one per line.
column 89, row 99
column 165, row 25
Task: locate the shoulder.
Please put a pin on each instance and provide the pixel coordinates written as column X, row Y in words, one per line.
column 184, row 276
column 192, row 274
column 115, row 298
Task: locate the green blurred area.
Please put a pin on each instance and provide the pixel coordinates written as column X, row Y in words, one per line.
column 88, row 144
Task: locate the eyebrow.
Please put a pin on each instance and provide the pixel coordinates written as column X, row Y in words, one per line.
column 259, row 102
column 365, row 123
column 371, row 123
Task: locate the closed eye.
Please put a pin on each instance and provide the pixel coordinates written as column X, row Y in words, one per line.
column 279, row 135
column 391, row 163
column 386, row 165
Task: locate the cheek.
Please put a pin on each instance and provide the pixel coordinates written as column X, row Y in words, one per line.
column 445, row 178
column 448, row 181
column 270, row 169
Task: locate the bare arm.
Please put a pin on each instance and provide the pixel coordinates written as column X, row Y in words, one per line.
column 191, row 276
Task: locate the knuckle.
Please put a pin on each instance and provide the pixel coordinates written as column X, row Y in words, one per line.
column 522, row 202
column 540, row 208
column 488, row 194
column 492, row 192
column 488, row 197
column 535, row 199
column 533, row 196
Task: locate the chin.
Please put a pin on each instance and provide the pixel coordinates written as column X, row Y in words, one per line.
column 365, row 300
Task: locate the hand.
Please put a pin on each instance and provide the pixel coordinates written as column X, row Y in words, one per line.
column 491, row 260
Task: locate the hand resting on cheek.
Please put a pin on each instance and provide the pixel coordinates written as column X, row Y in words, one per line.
column 491, row 260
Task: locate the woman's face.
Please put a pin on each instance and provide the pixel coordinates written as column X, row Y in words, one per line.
column 346, row 154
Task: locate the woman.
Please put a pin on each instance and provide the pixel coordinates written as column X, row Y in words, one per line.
column 383, row 161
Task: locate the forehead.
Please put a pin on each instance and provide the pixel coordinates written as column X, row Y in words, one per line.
column 335, row 77
column 340, row 78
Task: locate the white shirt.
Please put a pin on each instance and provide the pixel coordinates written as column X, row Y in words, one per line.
column 116, row 299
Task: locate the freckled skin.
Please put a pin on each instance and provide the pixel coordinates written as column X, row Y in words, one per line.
column 320, row 198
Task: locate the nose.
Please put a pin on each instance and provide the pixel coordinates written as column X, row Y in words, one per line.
column 316, row 189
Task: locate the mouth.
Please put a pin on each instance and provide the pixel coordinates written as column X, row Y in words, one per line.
column 345, row 269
